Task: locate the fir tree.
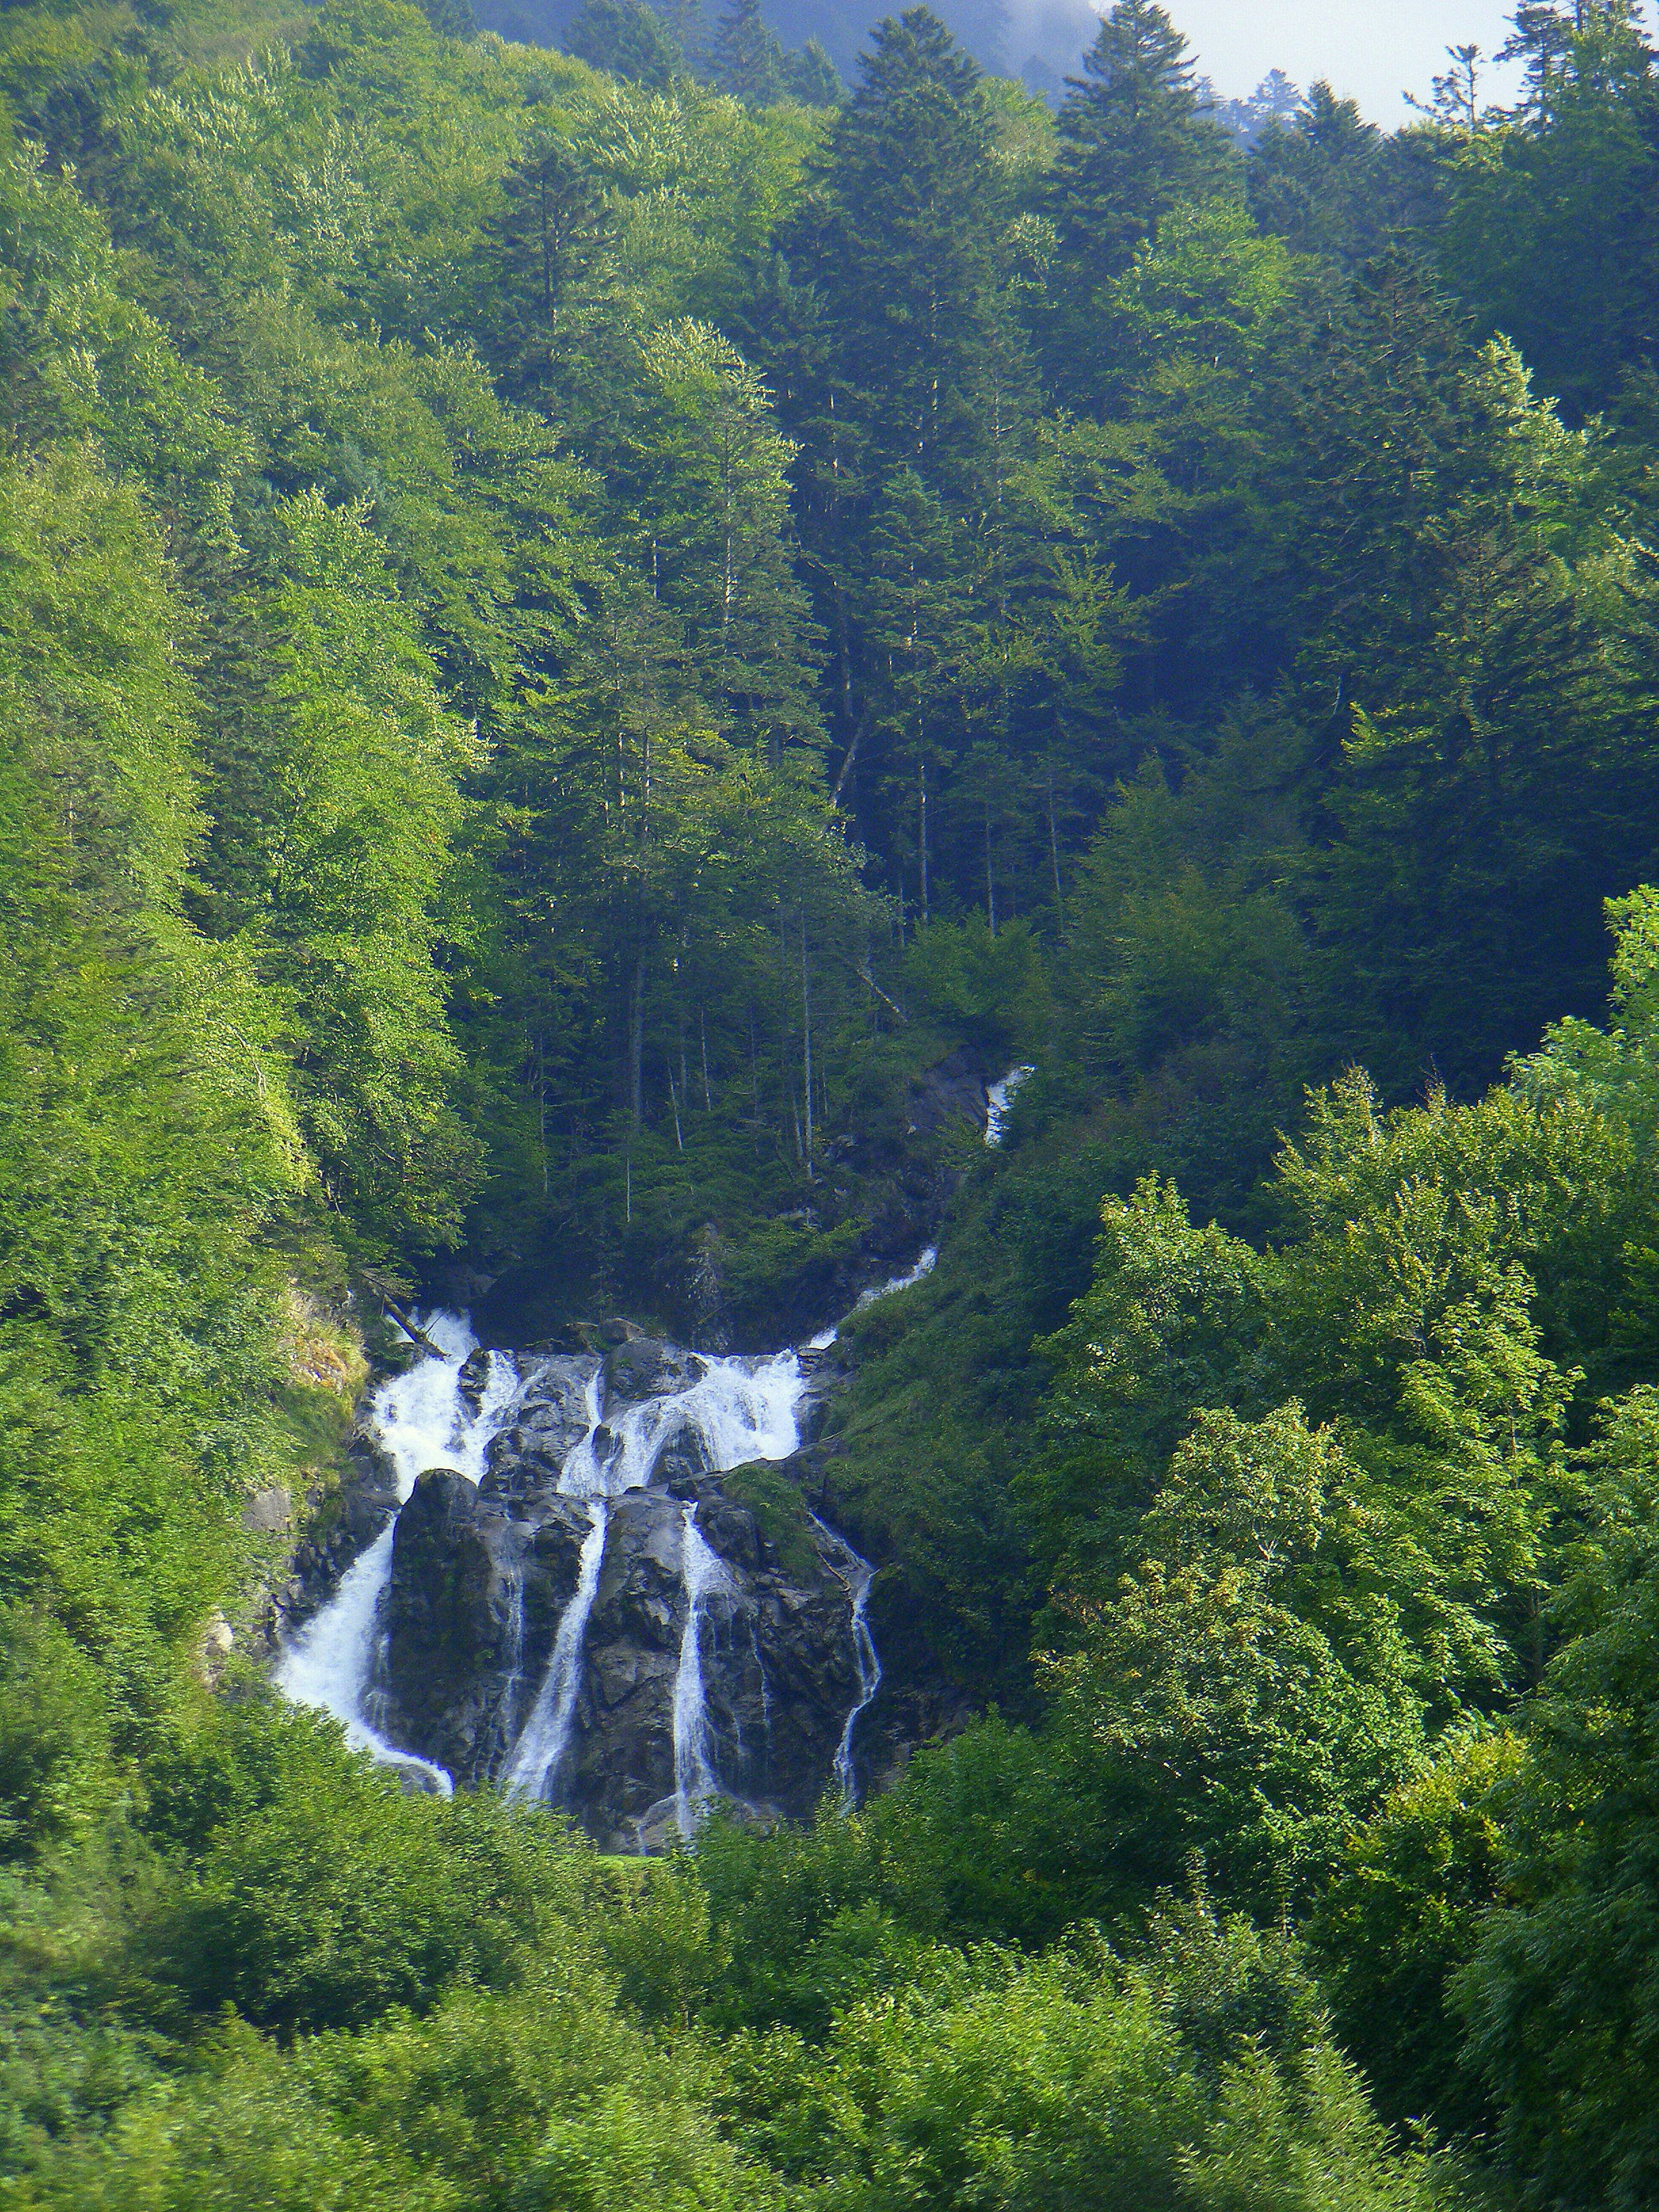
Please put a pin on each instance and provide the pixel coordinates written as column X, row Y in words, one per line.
column 813, row 78
column 901, row 231
column 1316, row 180
column 747, row 60
column 1136, row 137
column 626, row 39
column 545, row 246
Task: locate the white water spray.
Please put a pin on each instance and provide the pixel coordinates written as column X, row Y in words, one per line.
column 740, row 1410
column 855, row 1575
column 702, row 1571
column 540, row 1751
column 999, row 1097
column 924, row 1264
column 422, row 1420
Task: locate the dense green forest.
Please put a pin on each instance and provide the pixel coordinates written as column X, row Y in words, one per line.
column 571, row 632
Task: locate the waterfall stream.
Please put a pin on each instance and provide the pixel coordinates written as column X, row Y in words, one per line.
column 421, row 1418
column 702, row 1571
column 540, row 1750
column 999, row 1096
column 737, row 1409
column 856, row 1575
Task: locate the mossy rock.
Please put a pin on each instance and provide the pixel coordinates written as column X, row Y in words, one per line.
column 781, row 1511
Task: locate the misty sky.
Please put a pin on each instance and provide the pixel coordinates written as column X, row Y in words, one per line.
column 1370, row 50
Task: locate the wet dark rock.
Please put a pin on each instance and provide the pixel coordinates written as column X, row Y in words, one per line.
column 473, row 1378
column 649, row 1368
column 551, row 1419
column 778, row 1671
column 954, row 1089
column 481, row 1578
column 472, row 1606
column 341, row 1523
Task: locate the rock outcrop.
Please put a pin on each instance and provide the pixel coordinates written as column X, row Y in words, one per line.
column 481, row 1578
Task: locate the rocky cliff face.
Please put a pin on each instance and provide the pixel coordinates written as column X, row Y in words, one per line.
column 745, row 1670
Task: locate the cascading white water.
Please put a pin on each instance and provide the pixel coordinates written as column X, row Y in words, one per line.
column 539, row 1752
column 702, row 1572
column 999, row 1097
column 856, row 1575
column 421, row 1419
column 924, row 1264
column 742, row 1410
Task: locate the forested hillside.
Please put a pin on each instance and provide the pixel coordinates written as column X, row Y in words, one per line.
column 577, row 647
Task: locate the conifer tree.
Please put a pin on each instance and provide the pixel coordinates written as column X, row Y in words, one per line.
column 1316, row 180
column 903, row 362
column 1135, row 139
column 625, row 38
column 813, row 78
column 747, row 60
column 548, row 238
column 906, row 265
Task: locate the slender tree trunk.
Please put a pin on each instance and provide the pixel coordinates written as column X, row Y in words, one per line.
column 921, row 837
column 1054, row 856
column 990, row 882
column 636, row 1046
column 541, row 1102
column 806, row 1036
column 754, row 1078
column 784, row 1078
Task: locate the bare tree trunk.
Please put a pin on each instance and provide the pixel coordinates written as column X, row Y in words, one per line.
column 541, row 1101
column 786, row 1086
column 990, row 880
column 921, row 818
column 806, row 1036
column 636, row 1046
column 754, row 1077
column 849, row 756
column 1054, row 856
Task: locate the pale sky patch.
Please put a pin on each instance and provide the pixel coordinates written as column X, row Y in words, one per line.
column 1369, row 53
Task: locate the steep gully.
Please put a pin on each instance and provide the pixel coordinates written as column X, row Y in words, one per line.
column 563, row 1600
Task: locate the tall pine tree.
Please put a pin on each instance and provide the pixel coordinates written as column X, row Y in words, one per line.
column 1136, row 137
column 747, row 60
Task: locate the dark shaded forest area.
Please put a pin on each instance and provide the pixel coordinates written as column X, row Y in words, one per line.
column 575, row 635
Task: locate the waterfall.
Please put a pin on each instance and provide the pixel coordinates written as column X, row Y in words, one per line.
column 693, row 1770
column 514, row 1651
column 741, row 1410
column 540, row 1751
column 999, row 1097
column 856, row 1576
column 421, row 1419
column 736, row 1409
column 924, row 1264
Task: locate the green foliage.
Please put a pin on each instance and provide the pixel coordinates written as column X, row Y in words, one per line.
column 1179, row 2077
column 779, row 1507
column 1135, row 144
column 577, row 642
column 626, row 38
column 1555, row 1996
column 1403, row 1915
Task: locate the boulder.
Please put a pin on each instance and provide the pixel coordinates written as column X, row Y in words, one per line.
column 648, row 1367
column 481, row 1579
column 474, row 1602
